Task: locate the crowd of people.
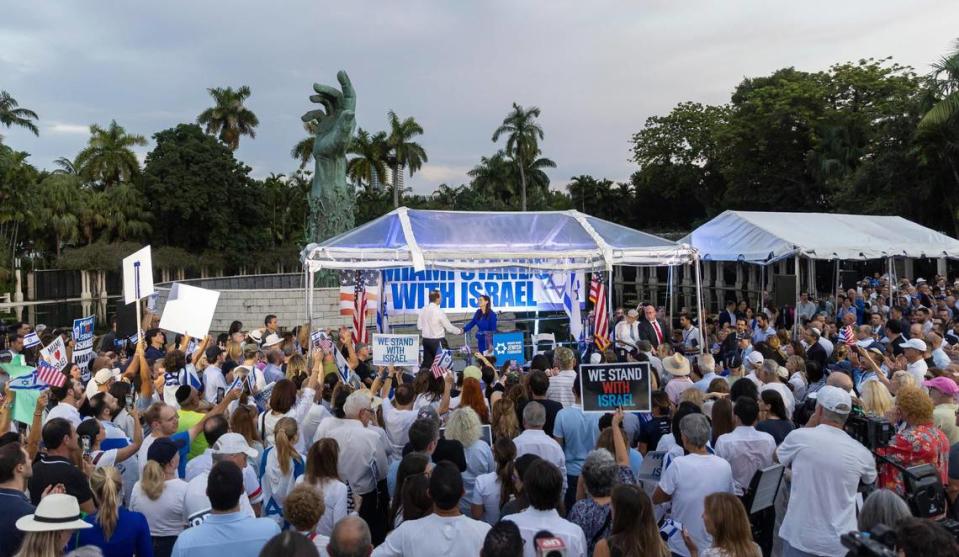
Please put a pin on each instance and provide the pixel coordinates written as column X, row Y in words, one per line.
column 259, row 442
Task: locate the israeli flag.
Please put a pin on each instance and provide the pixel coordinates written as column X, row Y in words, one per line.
column 382, row 316
column 571, row 305
column 28, row 382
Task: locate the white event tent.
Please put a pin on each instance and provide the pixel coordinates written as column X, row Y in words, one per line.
column 759, row 237
column 764, row 238
column 465, row 240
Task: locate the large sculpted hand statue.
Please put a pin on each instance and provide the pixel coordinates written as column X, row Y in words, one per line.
column 331, row 198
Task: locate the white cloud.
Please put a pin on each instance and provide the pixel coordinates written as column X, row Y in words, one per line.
column 60, row 127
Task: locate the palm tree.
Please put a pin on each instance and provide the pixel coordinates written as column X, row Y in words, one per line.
column 12, row 115
column 404, row 152
column 446, row 196
column 369, row 164
column 228, row 119
column 944, row 84
column 109, row 156
column 66, row 166
column 522, row 142
column 303, row 150
column 126, row 216
column 60, row 198
column 493, row 177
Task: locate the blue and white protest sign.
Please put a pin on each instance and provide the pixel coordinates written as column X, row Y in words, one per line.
column 137, row 276
column 407, row 291
column 83, row 341
column 396, row 350
column 509, row 346
column 31, row 340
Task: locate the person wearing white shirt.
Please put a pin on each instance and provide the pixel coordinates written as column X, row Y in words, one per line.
column 214, row 429
column 398, row 414
column 543, row 485
column 806, row 309
column 160, row 495
column 363, row 463
column 445, row 532
column 707, row 367
column 914, row 350
column 689, row 479
column 827, row 468
column 745, row 449
column 228, row 447
column 213, row 378
column 561, row 382
column 772, row 378
column 627, row 335
column 534, row 440
column 433, row 324
column 939, row 356
column 692, row 340
column 70, row 397
column 323, row 476
column 646, row 348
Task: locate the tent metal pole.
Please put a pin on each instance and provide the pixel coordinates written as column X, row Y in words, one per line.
column 609, row 294
column 762, row 287
column 699, row 306
column 835, row 294
column 796, row 307
column 670, row 294
column 308, row 277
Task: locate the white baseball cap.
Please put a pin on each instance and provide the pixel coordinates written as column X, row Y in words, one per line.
column 233, row 443
column 834, row 399
column 755, row 358
column 915, row 344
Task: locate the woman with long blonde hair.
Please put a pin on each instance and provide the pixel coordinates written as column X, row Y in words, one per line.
column 465, row 426
column 279, row 468
column 876, row 399
column 725, row 518
column 504, row 420
column 161, row 495
column 116, row 531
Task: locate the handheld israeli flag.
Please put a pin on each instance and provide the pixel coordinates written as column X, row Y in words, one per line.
column 382, row 316
column 343, row 366
column 31, row 340
column 188, row 376
column 571, row 305
column 28, row 382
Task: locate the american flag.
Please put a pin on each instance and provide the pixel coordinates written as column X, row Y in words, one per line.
column 358, row 296
column 49, row 374
column 847, row 336
column 597, row 295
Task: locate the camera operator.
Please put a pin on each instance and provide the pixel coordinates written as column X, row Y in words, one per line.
column 919, row 442
column 827, row 468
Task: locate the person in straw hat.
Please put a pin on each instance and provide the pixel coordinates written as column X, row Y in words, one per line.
column 49, row 528
column 677, row 366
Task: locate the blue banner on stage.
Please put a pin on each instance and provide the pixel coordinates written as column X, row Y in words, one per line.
column 509, row 346
column 407, row 291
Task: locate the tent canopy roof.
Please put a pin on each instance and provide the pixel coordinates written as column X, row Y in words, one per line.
column 761, row 237
column 549, row 240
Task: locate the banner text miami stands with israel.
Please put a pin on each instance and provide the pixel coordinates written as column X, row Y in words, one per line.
column 408, row 290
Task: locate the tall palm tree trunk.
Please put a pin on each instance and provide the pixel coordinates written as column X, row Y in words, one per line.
column 397, row 175
column 522, row 180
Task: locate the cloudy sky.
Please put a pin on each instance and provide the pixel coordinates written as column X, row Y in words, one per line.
column 596, row 69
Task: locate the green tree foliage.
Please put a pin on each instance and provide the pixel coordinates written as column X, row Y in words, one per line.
column 523, row 134
column 404, row 153
column 371, row 157
column 201, row 197
column 12, row 114
column 228, row 118
column 108, row 158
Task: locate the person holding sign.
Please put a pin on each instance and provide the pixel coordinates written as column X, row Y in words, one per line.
column 433, row 325
column 485, row 322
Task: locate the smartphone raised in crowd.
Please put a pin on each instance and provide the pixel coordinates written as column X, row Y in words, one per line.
column 85, row 444
column 130, row 400
column 219, row 394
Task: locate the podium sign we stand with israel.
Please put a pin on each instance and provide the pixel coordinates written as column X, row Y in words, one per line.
column 606, row 387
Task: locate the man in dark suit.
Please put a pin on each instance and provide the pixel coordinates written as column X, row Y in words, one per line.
column 815, row 351
column 728, row 316
column 651, row 328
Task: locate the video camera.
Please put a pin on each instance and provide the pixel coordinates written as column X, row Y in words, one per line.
column 882, row 541
column 872, row 432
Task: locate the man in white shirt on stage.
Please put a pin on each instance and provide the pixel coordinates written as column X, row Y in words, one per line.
column 627, row 335
column 433, row 325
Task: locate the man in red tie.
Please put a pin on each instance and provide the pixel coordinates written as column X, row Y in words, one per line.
column 651, row 328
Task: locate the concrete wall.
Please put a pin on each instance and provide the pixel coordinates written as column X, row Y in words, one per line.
column 289, row 306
